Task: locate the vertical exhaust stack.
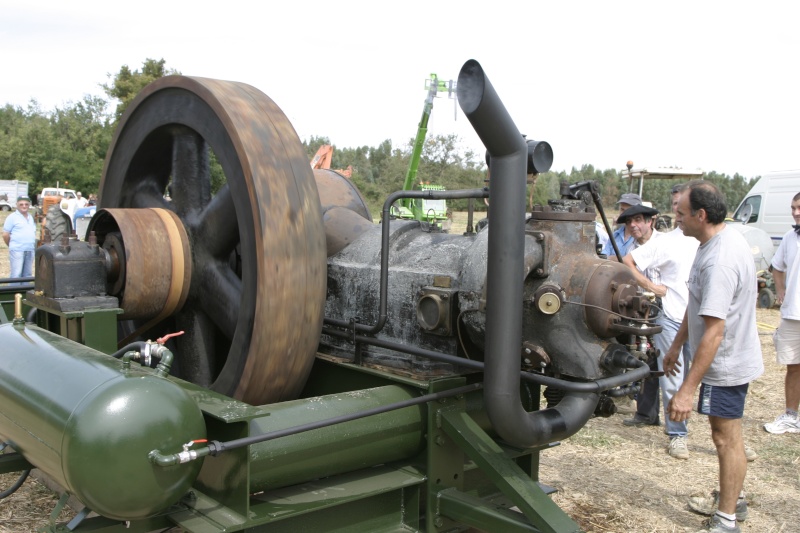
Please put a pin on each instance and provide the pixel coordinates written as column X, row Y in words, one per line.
column 505, row 268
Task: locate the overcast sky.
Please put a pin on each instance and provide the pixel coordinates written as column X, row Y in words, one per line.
column 710, row 85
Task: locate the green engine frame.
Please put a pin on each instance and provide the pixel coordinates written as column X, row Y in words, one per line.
column 463, row 477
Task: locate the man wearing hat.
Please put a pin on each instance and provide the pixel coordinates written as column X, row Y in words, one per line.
column 19, row 234
column 622, row 235
column 670, row 256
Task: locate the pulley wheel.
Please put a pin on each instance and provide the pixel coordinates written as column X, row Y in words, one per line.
column 253, row 314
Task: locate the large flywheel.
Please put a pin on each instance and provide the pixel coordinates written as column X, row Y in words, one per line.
column 251, row 294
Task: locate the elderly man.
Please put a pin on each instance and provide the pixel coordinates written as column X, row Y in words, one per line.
column 622, row 235
column 19, row 234
column 671, row 256
column 720, row 325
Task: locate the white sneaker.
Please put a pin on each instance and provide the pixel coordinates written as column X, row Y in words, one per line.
column 678, row 448
column 783, row 424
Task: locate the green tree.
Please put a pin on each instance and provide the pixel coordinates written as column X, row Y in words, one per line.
column 126, row 84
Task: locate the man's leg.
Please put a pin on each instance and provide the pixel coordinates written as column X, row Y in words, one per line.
column 727, row 436
column 670, row 384
column 647, row 403
column 787, row 348
column 724, row 407
column 27, row 265
column 792, row 386
column 16, row 260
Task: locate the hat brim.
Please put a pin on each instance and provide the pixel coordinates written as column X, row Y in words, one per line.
column 636, row 210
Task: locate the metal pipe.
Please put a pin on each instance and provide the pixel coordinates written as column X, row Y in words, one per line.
column 508, row 150
column 639, row 372
column 215, row 447
column 17, row 283
column 16, row 485
column 384, row 275
column 136, row 346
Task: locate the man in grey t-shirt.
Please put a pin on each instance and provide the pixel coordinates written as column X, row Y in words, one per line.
column 720, row 324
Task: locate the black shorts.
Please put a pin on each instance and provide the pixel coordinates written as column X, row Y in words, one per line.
column 722, row 402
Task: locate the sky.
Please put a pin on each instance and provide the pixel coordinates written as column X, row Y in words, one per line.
column 705, row 85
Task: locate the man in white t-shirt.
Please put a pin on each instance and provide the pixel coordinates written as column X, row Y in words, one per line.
column 720, row 325
column 670, row 256
column 786, row 273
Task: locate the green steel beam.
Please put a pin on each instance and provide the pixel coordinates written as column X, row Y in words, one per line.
column 445, row 461
column 477, row 513
column 506, row 474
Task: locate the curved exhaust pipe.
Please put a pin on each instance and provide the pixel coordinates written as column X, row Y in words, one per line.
column 505, row 265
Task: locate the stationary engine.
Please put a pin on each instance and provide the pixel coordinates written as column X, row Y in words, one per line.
column 313, row 370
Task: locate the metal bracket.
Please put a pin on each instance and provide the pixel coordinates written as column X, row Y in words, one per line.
column 523, row 491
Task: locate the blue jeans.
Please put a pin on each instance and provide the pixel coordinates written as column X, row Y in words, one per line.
column 21, row 263
column 647, row 403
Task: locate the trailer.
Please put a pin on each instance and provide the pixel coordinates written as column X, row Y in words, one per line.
column 10, row 190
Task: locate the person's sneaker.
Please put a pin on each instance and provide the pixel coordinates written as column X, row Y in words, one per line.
column 783, row 424
column 713, row 525
column 677, row 448
column 750, row 454
column 639, row 421
column 625, row 405
column 708, row 505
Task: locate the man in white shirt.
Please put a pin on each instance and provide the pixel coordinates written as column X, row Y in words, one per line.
column 662, row 266
column 786, row 273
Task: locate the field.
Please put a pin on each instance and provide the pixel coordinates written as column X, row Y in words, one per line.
column 610, row 478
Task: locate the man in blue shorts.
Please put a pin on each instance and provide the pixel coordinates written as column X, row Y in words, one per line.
column 720, row 325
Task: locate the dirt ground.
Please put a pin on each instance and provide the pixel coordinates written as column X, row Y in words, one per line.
column 613, row 478
column 610, row 478
column 4, row 266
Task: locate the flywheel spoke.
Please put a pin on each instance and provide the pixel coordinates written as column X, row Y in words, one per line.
column 221, row 298
column 191, row 179
column 147, row 194
column 218, row 224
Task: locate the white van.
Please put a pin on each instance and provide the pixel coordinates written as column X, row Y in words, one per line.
column 768, row 204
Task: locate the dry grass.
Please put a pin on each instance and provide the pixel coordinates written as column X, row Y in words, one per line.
column 611, row 478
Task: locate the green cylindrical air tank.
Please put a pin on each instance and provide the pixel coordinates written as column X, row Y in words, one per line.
column 338, row 448
column 89, row 424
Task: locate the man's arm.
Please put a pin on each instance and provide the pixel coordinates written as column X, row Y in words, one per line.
column 779, row 277
column 6, row 237
column 646, row 284
column 680, row 407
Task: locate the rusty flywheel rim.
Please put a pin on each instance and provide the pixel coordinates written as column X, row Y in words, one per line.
column 253, row 315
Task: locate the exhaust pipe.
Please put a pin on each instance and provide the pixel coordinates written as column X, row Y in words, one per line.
column 505, row 268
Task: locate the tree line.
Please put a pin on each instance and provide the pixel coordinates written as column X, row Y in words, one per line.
column 68, row 145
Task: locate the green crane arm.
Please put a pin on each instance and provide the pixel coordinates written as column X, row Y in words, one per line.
column 422, row 130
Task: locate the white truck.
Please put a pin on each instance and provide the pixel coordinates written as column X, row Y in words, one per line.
column 768, row 204
column 10, row 190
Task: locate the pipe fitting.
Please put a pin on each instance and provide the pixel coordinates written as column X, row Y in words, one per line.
column 509, row 157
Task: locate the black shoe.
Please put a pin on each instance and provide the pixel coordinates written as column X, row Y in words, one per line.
column 639, row 421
